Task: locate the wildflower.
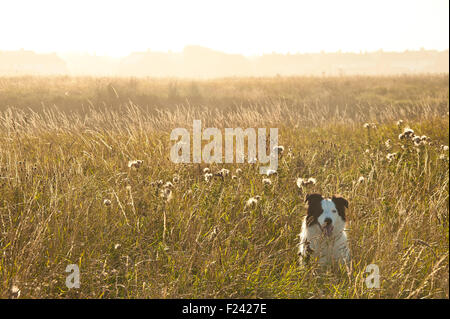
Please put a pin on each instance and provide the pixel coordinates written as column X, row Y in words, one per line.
column 15, row 292
column 271, row 172
column 223, row 172
column 399, row 123
column 408, row 132
column 279, row 149
column 361, row 179
column 417, row 140
column 391, row 156
column 206, row 170
column 252, row 202
column 117, row 246
column 238, row 171
column 444, row 148
column 290, row 154
column 166, row 194
column 266, row 181
column 168, row 185
column 299, row 182
column 442, row 157
column 370, row 125
column 388, row 144
column 234, row 177
column 303, row 182
column 175, row 179
column 207, row 177
column 106, row 202
column 135, row 164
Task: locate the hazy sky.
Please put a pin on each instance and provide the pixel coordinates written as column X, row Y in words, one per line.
column 117, row 28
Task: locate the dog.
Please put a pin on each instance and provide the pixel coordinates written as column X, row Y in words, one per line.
column 323, row 237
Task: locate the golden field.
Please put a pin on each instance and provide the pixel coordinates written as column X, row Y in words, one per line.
column 67, row 195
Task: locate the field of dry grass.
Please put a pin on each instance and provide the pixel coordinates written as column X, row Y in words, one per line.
column 67, row 195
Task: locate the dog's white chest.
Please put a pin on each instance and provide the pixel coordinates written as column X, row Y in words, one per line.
column 314, row 245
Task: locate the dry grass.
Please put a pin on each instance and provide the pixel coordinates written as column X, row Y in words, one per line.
column 59, row 163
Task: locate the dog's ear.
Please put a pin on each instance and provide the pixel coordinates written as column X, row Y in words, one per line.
column 314, row 208
column 340, row 201
column 310, row 198
column 341, row 204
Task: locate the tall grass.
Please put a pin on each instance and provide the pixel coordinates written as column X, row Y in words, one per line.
column 62, row 155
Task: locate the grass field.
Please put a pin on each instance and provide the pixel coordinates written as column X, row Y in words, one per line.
column 67, row 195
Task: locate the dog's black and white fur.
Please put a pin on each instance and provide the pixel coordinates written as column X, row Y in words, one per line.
column 323, row 237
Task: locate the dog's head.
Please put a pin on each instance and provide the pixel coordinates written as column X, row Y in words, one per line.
column 329, row 214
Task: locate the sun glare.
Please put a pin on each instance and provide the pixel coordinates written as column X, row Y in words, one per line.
column 117, row 28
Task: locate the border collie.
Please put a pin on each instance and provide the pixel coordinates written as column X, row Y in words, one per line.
column 323, row 237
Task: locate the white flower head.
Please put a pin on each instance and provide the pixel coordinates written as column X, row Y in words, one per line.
column 135, row 164
column 391, row 156
column 388, row 144
column 408, row 132
column 207, row 177
column 279, row 149
column 417, row 140
column 223, row 172
column 252, row 202
column 304, row 182
column 271, row 172
column 15, row 292
column 168, row 185
column 166, row 194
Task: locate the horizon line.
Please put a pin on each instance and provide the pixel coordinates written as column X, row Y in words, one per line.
column 102, row 54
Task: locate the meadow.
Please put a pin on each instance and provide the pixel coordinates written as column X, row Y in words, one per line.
column 69, row 196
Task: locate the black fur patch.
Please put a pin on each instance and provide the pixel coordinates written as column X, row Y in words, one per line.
column 314, row 208
column 341, row 204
